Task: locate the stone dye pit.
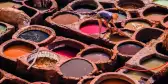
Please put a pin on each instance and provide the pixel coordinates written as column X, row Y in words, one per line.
column 82, row 68
column 34, row 35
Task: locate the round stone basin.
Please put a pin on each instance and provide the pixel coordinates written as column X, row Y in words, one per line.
column 34, row 35
column 129, row 4
column 76, row 68
column 129, row 48
column 137, row 25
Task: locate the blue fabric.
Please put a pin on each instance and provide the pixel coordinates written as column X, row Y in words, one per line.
column 105, row 15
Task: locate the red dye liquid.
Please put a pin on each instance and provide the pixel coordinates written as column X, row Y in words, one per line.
column 92, row 29
column 67, row 51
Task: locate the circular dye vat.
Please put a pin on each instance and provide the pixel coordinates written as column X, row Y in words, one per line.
column 92, row 29
column 7, row 4
column 114, row 81
column 66, row 19
column 76, row 68
column 137, row 25
column 161, row 2
column 153, row 63
column 96, row 56
column 15, row 51
column 67, row 51
column 155, row 16
column 129, row 4
column 44, row 59
column 2, row 28
column 34, row 35
column 129, row 48
column 82, row 8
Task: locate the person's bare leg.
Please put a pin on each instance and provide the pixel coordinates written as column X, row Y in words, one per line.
column 100, row 26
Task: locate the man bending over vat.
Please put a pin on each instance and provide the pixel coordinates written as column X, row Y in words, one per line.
column 108, row 18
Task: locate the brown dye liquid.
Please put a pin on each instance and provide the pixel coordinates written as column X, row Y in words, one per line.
column 114, row 81
column 137, row 75
column 8, row 4
column 97, row 56
column 17, row 51
column 155, row 16
column 137, row 25
column 76, row 68
column 115, row 38
column 66, row 19
column 153, row 63
column 129, row 49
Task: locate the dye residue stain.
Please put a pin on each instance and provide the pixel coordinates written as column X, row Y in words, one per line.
column 97, row 56
column 66, row 19
column 76, row 68
column 15, row 51
column 161, row 2
column 129, row 49
column 45, row 59
column 153, row 63
column 114, row 81
column 34, row 35
column 128, row 33
column 137, row 25
column 137, row 75
column 67, row 51
column 8, row 4
column 2, row 29
column 92, row 29
column 155, row 16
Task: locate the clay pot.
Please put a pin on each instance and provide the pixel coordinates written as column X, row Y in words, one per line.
column 46, row 34
column 147, row 34
column 127, row 49
column 139, row 23
column 43, row 67
column 86, row 80
column 7, row 33
column 84, row 6
column 65, row 47
column 104, row 58
column 69, row 76
column 113, row 77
